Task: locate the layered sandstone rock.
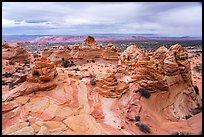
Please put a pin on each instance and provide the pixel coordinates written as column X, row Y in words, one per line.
column 168, row 70
column 57, row 54
column 110, row 52
column 108, row 86
column 90, row 41
column 128, row 59
column 158, row 58
column 14, row 53
column 43, row 71
column 89, row 49
column 177, row 65
column 41, row 78
column 52, row 100
column 146, row 74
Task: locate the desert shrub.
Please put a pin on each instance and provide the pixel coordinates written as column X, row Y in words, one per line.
column 62, row 59
column 93, row 82
column 196, row 90
column 4, row 82
column 76, row 69
column 137, row 118
column 93, row 61
column 197, row 110
column 143, row 127
column 144, row 92
column 90, row 75
column 188, row 116
column 26, row 62
column 65, row 63
column 11, row 62
column 177, row 133
column 87, row 60
column 11, row 84
column 198, row 68
column 35, row 55
column 7, row 75
column 36, row 73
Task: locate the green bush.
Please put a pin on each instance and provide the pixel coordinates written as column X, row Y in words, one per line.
column 65, row 63
column 93, row 82
column 143, row 127
column 35, row 55
column 198, row 68
column 76, row 69
column 4, row 82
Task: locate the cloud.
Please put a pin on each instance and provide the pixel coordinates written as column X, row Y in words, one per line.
column 164, row 18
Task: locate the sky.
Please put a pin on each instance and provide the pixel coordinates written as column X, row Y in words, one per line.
column 78, row 18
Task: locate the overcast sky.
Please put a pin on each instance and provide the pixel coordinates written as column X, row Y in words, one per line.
column 66, row 18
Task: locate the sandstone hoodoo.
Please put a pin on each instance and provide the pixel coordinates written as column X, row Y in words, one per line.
column 41, row 78
column 90, row 41
column 129, row 58
column 14, row 53
column 91, row 89
column 110, row 52
column 177, row 64
column 108, row 86
column 43, row 71
column 89, row 49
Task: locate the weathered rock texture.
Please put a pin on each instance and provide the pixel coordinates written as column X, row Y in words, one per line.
column 110, row 52
column 57, row 54
column 54, row 100
column 14, row 53
column 108, row 86
column 41, row 78
column 167, row 75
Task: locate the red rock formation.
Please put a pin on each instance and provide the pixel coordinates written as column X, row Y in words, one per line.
column 108, row 86
column 89, row 49
column 55, row 100
column 110, row 52
column 43, row 71
column 167, row 71
column 56, row 54
column 14, row 53
column 128, row 59
column 90, row 41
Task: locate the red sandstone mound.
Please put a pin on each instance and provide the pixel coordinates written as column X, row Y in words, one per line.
column 14, row 53
column 108, row 86
column 167, row 71
column 90, row 41
column 56, row 54
column 110, row 52
column 41, row 78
